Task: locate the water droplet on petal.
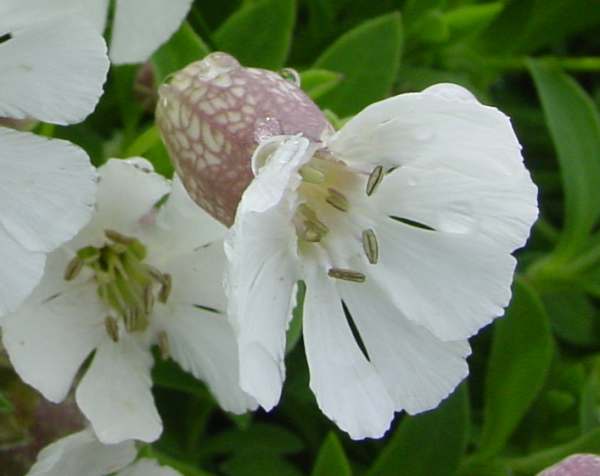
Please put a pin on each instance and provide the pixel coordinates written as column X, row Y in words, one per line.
column 291, row 75
column 265, row 128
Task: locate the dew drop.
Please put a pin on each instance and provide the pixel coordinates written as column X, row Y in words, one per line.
column 291, row 75
column 266, row 127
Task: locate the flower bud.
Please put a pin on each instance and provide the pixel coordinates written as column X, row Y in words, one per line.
column 575, row 465
column 213, row 114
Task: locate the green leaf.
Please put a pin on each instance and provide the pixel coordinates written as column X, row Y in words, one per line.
column 184, row 47
column 262, row 463
column 575, row 129
column 573, row 316
column 332, row 459
column 520, row 359
column 469, row 19
column 6, row 405
column 429, row 444
column 317, row 82
column 259, row 34
column 533, row 463
column 368, row 57
column 525, row 26
column 185, row 468
column 169, row 375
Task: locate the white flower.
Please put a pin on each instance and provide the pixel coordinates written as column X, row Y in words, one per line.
column 404, row 220
column 81, row 454
column 53, row 68
column 135, row 276
column 139, row 28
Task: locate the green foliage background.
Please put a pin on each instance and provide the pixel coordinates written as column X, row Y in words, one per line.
column 533, row 395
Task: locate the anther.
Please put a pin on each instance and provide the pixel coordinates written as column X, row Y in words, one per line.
column 73, row 268
column 347, row 275
column 311, row 234
column 370, row 246
column 112, row 328
column 375, row 178
column 148, row 299
column 312, row 175
column 337, row 200
column 117, row 237
column 163, row 345
column 165, row 290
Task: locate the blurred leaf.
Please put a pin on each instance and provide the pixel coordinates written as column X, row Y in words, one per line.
column 185, row 468
column 259, row 34
column 415, row 8
column 469, row 19
column 317, row 82
column 294, row 331
column 368, row 57
column 332, row 459
column 575, row 129
column 262, row 463
column 520, row 358
column 525, row 26
column 167, row 374
column 430, row 28
column 484, row 467
column 184, row 47
column 589, row 409
column 573, row 316
column 429, row 444
column 6, row 405
column 258, row 437
column 533, row 463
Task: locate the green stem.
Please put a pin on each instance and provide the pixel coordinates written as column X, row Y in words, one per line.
column 144, row 142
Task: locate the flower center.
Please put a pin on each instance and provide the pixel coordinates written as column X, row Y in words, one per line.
column 329, row 190
column 127, row 285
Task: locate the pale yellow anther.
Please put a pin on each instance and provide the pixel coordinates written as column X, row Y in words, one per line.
column 163, row 345
column 347, row 275
column 165, row 290
column 337, row 200
column 73, row 268
column 312, row 175
column 112, row 328
column 370, row 246
column 375, row 178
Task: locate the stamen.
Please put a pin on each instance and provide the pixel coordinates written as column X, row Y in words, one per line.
column 112, row 328
column 163, row 345
column 148, row 299
column 312, row 219
column 347, row 275
column 375, row 178
column 73, row 268
column 312, row 175
column 165, row 290
column 118, row 237
column 337, row 200
column 370, row 246
column 310, row 234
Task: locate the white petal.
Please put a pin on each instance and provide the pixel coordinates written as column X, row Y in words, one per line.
column 182, row 224
column 451, row 284
column 198, row 277
column 417, row 369
column 127, row 191
column 20, row 272
column 53, row 68
column 347, row 386
column 262, row 251
column 203, row 343
column 141, row 26
column 115, row 394
column 440, row 127
column 81, row 454
column 148, row 467
column 503, row 209
column 50, row 186
column 48, row 340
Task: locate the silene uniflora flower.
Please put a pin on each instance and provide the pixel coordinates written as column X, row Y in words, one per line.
column 403, row 223
column 53, row 68
column 81, row 454
column 143, row 272
column 139, row 27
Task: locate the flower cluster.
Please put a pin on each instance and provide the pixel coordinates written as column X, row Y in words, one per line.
column 401, row 225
